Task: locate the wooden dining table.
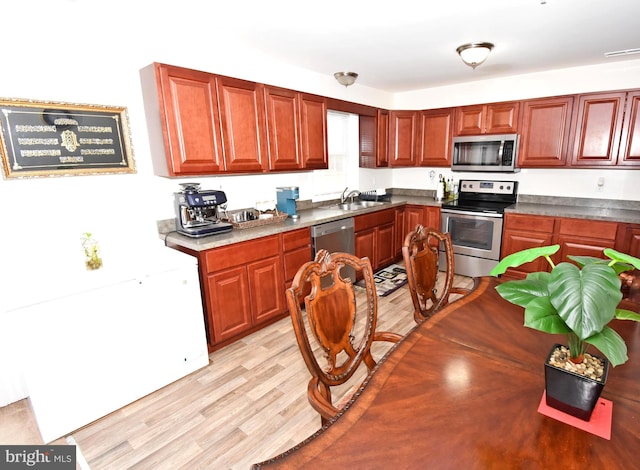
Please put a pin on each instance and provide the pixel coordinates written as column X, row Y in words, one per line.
column 462, row 391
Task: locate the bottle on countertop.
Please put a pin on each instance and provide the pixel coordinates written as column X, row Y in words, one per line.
column 440, row 189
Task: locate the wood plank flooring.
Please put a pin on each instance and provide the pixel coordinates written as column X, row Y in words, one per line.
column 246, row 406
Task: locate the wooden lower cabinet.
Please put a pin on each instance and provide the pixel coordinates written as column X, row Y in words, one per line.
column 521, row 232
column 297, row 250
column 576, row 237
column 375, row 237
column 628, row 239
column 427, row 216
column 243, row 288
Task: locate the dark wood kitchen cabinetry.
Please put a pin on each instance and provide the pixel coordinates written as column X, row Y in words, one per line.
column 628, row 239
column 400, row 231
column 544, row 132
column 492, row 118
column 297, row 130
column 374, row 138
column 597, row 129
column 607, row 130
column 242, row 122
column 435, row 130
column 403, row 138
column 427, row 216
column 521, row 232
column 297, row 250
column 188, row 109
column 375, row 237
column 313, row 115
column 576, row 237
column 243, row 287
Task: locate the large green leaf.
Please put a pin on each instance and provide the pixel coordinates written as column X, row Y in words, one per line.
column 584, row 260
column 622, row 257
column 523, row 291
column 521, row 257
column 540, row 315
column 611, row 345
column 622, row 314
column 585, row 299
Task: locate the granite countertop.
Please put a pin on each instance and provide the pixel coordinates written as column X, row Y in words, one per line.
column 595, row 209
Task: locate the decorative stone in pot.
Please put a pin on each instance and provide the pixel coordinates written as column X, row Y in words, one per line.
column 568, row 389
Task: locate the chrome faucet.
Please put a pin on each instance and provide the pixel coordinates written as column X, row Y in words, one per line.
column 351, row 195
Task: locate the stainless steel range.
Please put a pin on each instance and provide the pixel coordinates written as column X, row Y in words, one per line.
column 474, row 220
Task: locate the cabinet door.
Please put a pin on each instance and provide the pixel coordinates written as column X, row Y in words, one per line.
column 469, row 120
column 228, row 302
column 266, row 284
column 522, row 232
column 628, row 239
column 403, row 138
column 385, row 248
column 414, row 215
column 242, row 119
column 584, row 237
column 368, row 140
column 597, row 129
column 436, row 133
column 629, row 153
column 432, row 217
column 283, row 128
column 365, row 245
column 544, row 134
column 400, row 232
column 502, row 118
column 313, row 114
column 191, row 130
column 493, row 118
column 382, row 154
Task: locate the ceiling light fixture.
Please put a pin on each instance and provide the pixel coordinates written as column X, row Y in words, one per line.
column 475, row 53
column 346, row 78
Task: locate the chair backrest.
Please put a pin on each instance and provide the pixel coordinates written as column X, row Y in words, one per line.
column 421, row 252
column 334, row 326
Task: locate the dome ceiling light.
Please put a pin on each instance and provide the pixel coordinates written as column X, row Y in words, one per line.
column 346, row 78
column 475, row 53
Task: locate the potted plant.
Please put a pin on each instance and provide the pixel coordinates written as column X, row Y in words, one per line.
column 578, row 300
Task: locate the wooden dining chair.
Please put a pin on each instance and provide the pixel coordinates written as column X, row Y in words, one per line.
column 421, row 251
column 335, row 327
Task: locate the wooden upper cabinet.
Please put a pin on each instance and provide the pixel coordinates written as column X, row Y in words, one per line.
column 190, row 127
column 544, row 132
column 436, row 132
column 493, row 118
column 242, row 120
column 597, row 129
column 629, row 153
column 403, row 138
column 283, row 128
column 374, row 135
column 313, row 125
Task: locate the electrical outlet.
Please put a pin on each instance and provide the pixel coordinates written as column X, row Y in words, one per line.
column 600, row 184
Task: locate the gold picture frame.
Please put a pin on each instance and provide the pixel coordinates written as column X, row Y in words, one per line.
column 45, row 138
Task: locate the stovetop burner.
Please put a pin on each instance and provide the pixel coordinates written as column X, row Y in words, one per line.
column 484, row 196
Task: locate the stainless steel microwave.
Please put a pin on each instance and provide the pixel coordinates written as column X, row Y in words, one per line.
column 486, row 153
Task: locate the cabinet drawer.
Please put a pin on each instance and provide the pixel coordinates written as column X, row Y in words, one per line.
column 296, row 239
column 534, row 223
column 293, row 260
column 241, row 253
column 588, row 228
column 363, row 222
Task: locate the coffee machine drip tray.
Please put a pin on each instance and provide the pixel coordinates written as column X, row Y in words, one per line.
column 206, row 230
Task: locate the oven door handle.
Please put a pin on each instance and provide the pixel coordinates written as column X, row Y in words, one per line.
column 472, row 213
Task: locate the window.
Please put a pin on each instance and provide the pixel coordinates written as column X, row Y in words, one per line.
column 342, row 136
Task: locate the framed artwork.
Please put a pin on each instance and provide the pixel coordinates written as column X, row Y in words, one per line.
column 39, row 138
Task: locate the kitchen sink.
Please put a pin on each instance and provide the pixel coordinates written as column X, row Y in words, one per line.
column 353, row 206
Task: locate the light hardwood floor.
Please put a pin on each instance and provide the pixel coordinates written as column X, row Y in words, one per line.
column 246, row 406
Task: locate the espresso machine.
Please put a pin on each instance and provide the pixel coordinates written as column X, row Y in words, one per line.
column 286, row 200
column 197, row 211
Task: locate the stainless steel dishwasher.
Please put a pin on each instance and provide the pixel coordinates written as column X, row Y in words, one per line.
column 335, row 236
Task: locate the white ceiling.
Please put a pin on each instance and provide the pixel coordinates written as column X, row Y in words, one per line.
column 401, row 45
